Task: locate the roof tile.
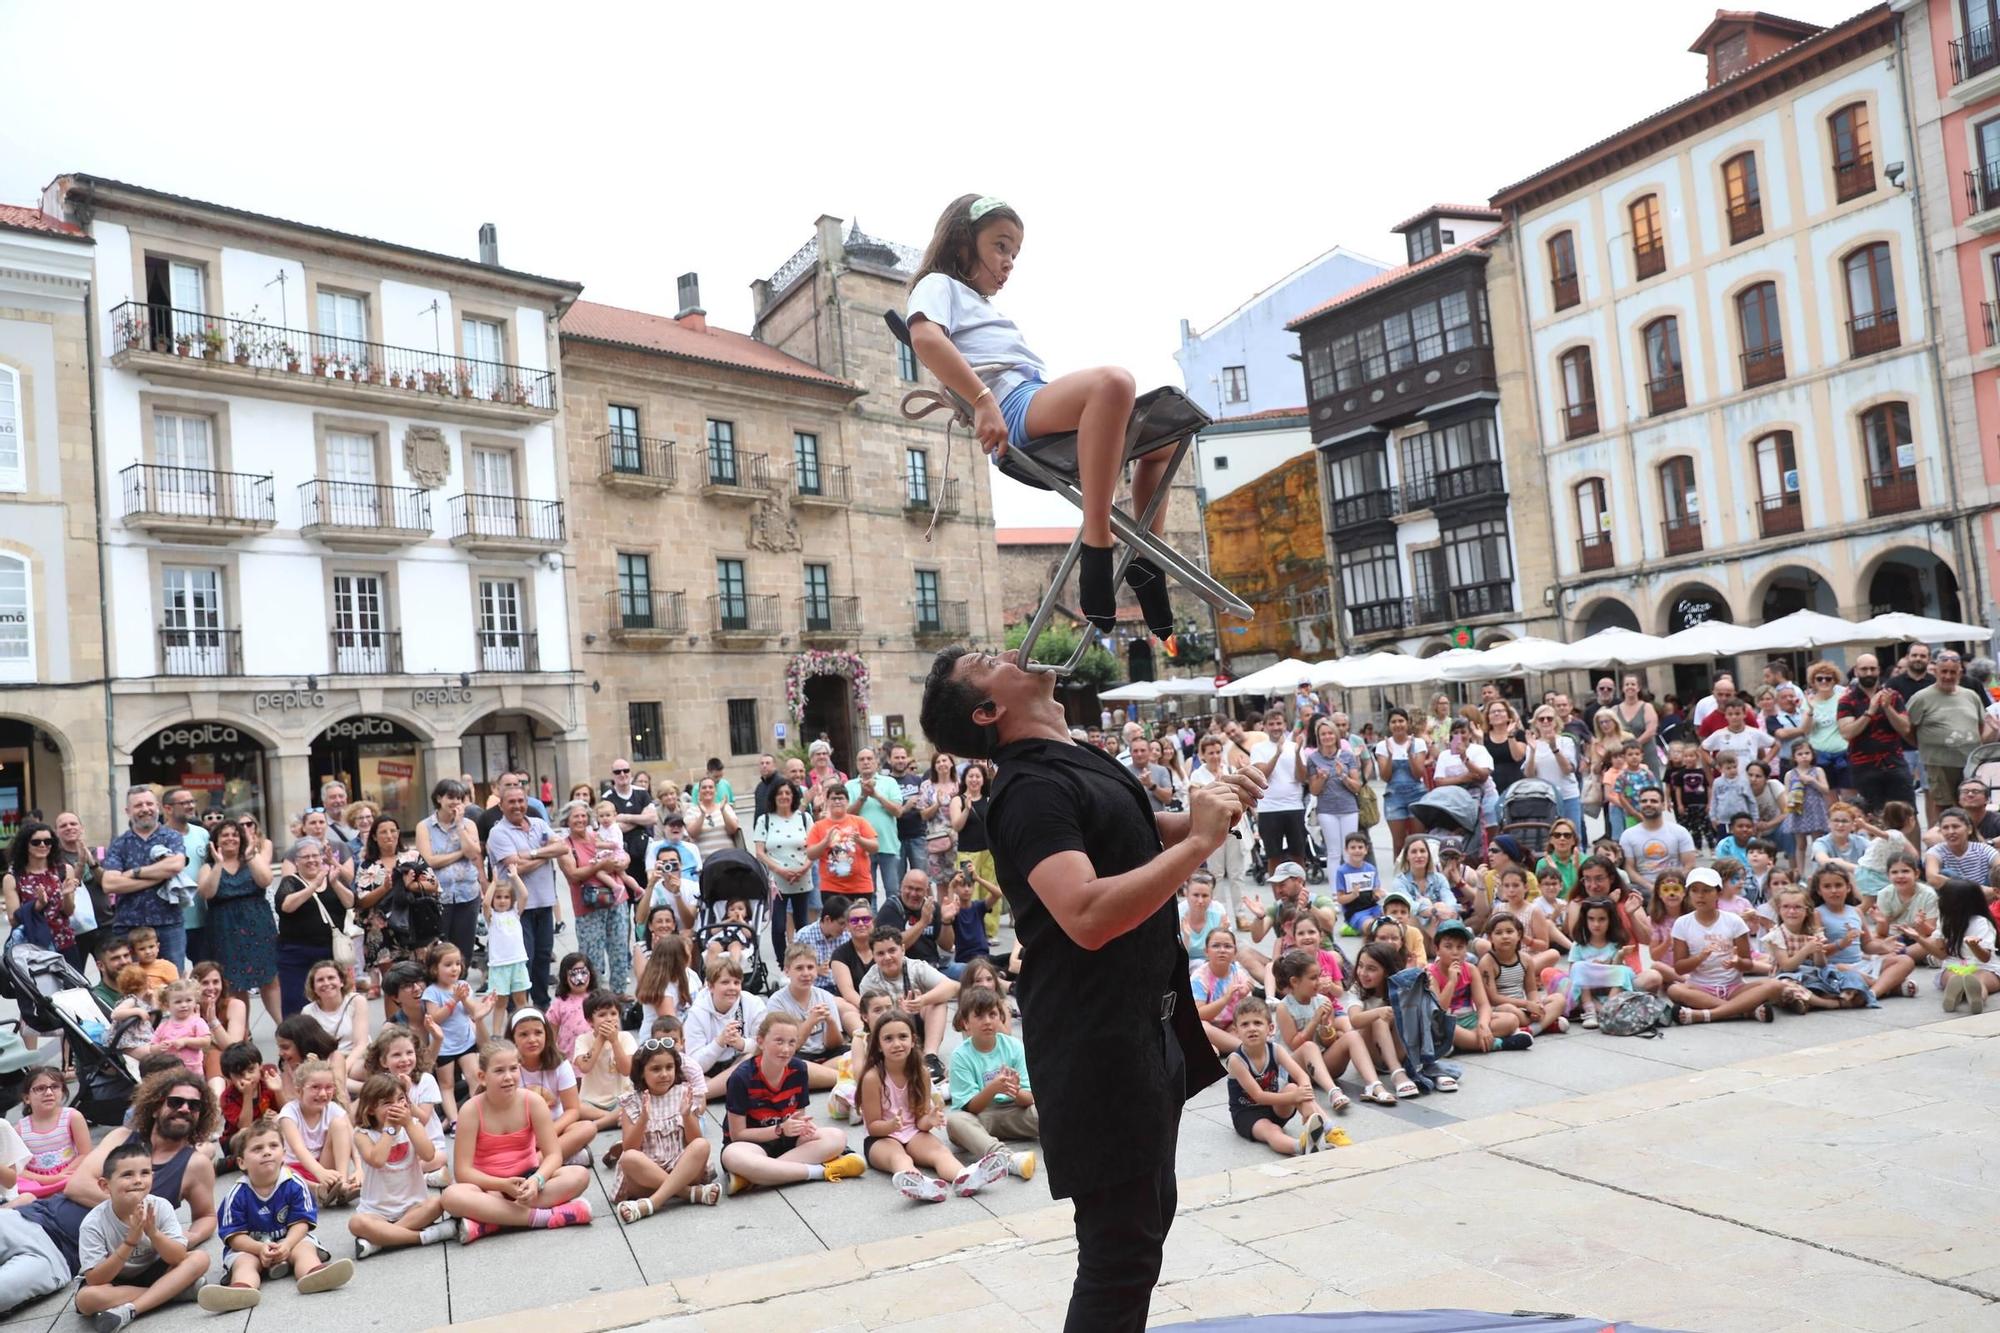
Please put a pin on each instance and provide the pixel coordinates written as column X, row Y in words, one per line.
column 658, row 333
column 1393, row 276
column 1483, row 212
column 20, row 218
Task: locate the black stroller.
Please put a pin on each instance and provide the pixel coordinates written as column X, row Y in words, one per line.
column 1450, row 816
column 1526, row 810
column 55, row 997
column 734, row 876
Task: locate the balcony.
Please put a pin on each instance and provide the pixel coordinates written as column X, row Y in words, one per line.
column 1648, row 261
column 1683, row 534
column 1473, row 481
column 921, row 497
column 1892, row 492
column 1666, row 394
column 361, row 516
column 1876, row 331
column 1976, row 53
column 825, row 619
column 508, row 650
column 505, row 524
column 365, row 652
column 1417, row 493
column 201, row 652
column 635, row 462
column 1378, row 617
column 1746, row 220
column 1579, row 420
column 831, row 487
column 1427, row 608
column 645, row 617
column 942, row 620
column 188, row 347
column 743, row 618
column 197, row 505
column 1989, row 315
column 1594, row 552
column 1351, row 511
column 1853, row 179
column 734, row 475
column 1566, row 294
column 1780, row 515
column 1483, row 599
column 1763, row 365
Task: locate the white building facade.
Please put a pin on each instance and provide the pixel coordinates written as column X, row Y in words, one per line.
column 1728, row 347
column 334, row 537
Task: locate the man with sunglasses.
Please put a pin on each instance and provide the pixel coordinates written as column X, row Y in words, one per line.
column 636, row 815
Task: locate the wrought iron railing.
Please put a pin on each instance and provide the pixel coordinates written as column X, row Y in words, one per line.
column 365, row 652
column 1974, row 53
column 822, row 482
column 1366, row 507
column 1378, row 617
column 1875, row 331
column 506, row 517
column 640, row 457
column 356, row 504
column 201, row 652
column 153, row 490
column 165, row 330
column 1982, row 187
column 743, row 613
column 654, row 611
column 923, row 494
column 733, row 467
column 943, row 617
column 1989, row 316
column 1763, row 365
column 830, row 615
column 1471, row 481
column 1683, row 533
column 1482, row 599
column 508, row 650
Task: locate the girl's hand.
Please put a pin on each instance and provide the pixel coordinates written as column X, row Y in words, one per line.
column 520, row 1187
column 989, row 427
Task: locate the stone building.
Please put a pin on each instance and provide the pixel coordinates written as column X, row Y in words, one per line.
column 751, row 515
column 51, row 637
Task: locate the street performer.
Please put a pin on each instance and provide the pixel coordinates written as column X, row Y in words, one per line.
column 1091, row 871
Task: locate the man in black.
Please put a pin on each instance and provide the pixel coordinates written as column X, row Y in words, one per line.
column 768, row 778
column 635, row 809
column 1091, row 873
column 912, row 910
column 909, row 824
column 1916, row 673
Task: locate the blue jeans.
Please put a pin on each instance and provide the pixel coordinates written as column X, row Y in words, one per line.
column 1572, row 810
column 888, row 870
column 538, row 924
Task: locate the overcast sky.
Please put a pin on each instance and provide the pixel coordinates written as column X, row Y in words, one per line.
column 1169, row 159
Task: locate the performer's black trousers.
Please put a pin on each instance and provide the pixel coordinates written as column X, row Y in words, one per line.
column 1121, row 1234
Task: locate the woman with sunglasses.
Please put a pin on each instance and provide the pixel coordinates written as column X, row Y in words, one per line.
column 1553, row 757
column 1564, row 854
column 848, row 963
column 46, row 886
column 1819, row 722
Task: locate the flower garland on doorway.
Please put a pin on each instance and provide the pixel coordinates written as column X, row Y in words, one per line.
column 815, row 662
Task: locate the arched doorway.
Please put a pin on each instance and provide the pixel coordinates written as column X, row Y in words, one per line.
column 829, row 712
column 378, row 760
column 502, row 741
column 222, row 764
column 31, row 776
column 1609, row 614
column 1690, row 605
column 1914, row 580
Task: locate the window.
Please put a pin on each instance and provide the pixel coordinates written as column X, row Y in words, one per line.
column 1763, row 334
column 624, row 426
column 1681, row 505
column 177, row 292
column 342, row 325
column 494, row 512
column 1983, row 181
column 360, row 624
column 1778, row 509
column 1371, row 585
column 1649, row 246
column 1399, row 341
column 642, row 721
column 1452, row 323
column 1871, row 300
column 917, row 476
column 485, row 345
column 350, row 499
column 1666, row 390
column 906, row 362
column 1481, row 568
column 635, row 590
column 1222, row 462
column 1441, row 465
column 1359, row 486
column 17, row 642
column 722, row 453
column 184, row 452
column 503, row 644
column 1562, row 269
column 1886, row 431
column 192, row 641
column 1235, row 384
column 805, row 461
column 1593, row 524
column 13, row 461
column 1421, row 242
column 1745, row 203
column 1320, row 367
column 1977, row 51
column 929, row 614
column 742, row 726
column 1853, row 154
column 1579, row 393
column 732, row 595
column 819, row 598
column 1429, row 586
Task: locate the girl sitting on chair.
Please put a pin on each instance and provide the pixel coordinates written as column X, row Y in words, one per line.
column 954, row 327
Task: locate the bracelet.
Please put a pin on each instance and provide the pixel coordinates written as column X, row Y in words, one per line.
column 986, row 392
column 539, row 1182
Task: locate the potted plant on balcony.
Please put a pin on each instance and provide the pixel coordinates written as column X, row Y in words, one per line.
column 290, row 355
column 183, row 341
column 211, row 341
column 319, row 365
column 132, row 330
column 464, row 377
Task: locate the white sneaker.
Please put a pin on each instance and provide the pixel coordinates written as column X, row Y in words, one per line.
column 916, row 1185
column 437, row 1179
column 993, row 1166
column 365, row 1249
column 438, row 1232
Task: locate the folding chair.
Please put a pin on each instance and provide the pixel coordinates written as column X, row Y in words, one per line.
column 1161, row 419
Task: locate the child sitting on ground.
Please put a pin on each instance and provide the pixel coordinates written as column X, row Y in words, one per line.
column 720, row 1024
column 1712, row 955
column 662, row 1155
column 991, row 1097
column 319, row 1138
column 265, row 1223
column 840, row 1102
column 603, row 1061
column 132, row 1255
column 770, row 1137
column 823, row 1041
column 1462, row 991
column 251, row 1091
column 1515, row 982
column 1368, row 1009
column 1399, row 923
column 55, row 1136
column 1313, row 1026
column 902, row 1120
column 1355, row 883
column 506, row 1170
column 1267, row 1088
column 394, row 1052
column 395, row 1208
column 1547, row 912
column 1220, row 984
column 1965, row 947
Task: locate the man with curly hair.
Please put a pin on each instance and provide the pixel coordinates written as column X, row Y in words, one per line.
column 173, row 1114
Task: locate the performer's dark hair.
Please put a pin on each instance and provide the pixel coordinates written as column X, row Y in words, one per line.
column 946, row 715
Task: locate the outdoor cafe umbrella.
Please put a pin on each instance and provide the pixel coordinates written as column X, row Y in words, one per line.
column 1698, row 643
column 1139, row 692
column 1525, row 654
column 1608, row 647
column 1280, row 678
column 1198, row 687
column 1803, row 630
column 1902, row 627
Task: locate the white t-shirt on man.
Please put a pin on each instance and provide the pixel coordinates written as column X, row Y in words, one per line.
column 1283, row 791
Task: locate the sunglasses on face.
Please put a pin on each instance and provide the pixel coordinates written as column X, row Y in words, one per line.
column 616, row 771
column 182, row 1103
column 41, row 842
column 658, row 1044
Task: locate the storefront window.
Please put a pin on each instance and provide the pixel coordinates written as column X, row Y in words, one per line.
column 380, row 762
column 223, row 767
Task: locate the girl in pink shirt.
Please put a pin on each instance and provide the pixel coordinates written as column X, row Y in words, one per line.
column 183, row 1032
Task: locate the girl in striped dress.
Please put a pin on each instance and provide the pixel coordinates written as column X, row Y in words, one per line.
column 664, row 1155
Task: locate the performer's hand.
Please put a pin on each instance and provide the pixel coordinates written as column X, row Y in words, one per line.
column 1212, row 808
column 1247, row 783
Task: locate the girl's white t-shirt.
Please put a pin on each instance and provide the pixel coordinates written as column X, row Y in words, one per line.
column 424, row 1093
column 313, row 1135
column 1979, row 931
column 987, row 339
column 1721, row 936
column 392, row 1190
column 504, row 941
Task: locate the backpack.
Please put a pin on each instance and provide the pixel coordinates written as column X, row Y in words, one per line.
column 1635, row 1014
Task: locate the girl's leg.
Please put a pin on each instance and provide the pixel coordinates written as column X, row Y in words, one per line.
column 1895, row 971
column 1467, row 1040
column 1315, row 1066
column 639, row 1175
column 1504, row 1022
column 932, row 1154
column 1354, row 1049
column 889, row 1156
column 483, row 1206
column 1097, row 404
column 691, row 1170
column 820, row 1077
column 575, row 1137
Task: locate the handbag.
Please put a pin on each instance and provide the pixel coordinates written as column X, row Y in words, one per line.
column 1367, row 807
column 341, row 947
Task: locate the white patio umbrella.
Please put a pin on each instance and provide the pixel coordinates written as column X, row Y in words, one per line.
column 1527, row 654
column 1608, row 647
column 1381, row 671
column 1280, row 678
column 1901, row 626
column 1699, row 643
column 1138, row 692
column 1462, row 665
column 1803, row 630
column 1197, row 687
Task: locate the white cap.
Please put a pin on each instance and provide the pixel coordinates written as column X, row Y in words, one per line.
column 1704, row 875
column 1289, row 870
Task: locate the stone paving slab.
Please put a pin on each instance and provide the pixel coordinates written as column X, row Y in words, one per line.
column 1762, row 1195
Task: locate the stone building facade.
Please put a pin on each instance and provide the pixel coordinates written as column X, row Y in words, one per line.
column 750, row 514
column 52, row 754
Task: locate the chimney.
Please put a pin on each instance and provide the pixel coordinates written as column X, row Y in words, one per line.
column 760, row 296
column 489, row 245
column 832, row 248
column 1187, row 333
column 691, row 313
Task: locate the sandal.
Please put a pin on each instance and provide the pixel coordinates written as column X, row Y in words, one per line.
column 632, row 1210
column 1405, row 1086
column 1762, row 1013
column 1909, row 990
column 1380, row 1095
column 1558, row 1025
column 1336, row 1100
column 1446, row 1083
column 707, row 1195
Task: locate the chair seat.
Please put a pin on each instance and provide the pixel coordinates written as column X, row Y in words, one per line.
column 1161, row 418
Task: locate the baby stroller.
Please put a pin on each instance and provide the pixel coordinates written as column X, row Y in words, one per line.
column 1450, row 815
column 55, row 997
column 1526, row 810
column 734, row 876
column 1984, row 763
